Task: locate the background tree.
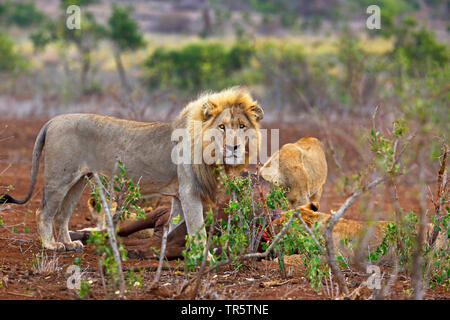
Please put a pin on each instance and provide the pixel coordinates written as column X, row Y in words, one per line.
column 21, row 14
column 10, row 59
column 85, row 39
column 125, row 36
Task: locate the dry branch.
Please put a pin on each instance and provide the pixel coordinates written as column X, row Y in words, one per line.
column 112, row 236
column 162, row 255
column 442, row 191
column 329, row 229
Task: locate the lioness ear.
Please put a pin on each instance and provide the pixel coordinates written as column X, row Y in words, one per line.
column 258, row 112
column 207, row 109
column 314, row 206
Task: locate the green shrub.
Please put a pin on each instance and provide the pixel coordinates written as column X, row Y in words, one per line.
column 10, row 60
column 422, row 52
column 22, row 14
column 196, row 67
column 402, row 239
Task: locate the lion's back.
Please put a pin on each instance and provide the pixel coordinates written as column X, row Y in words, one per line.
column 306, row 154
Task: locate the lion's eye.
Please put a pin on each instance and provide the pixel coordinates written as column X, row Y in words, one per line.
column 222, row 127
column 242, row 126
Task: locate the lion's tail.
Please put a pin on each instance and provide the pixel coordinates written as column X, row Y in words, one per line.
column 37, row 151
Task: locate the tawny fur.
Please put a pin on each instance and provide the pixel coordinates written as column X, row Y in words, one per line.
column 77, row 145
column 300, row 166
column 352, row 230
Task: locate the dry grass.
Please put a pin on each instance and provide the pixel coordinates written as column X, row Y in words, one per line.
column 44, row 264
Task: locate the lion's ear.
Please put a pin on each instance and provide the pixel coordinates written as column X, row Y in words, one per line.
column 258, row 112
column 207, row 109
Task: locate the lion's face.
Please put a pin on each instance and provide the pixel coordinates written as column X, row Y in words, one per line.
column 233, row 134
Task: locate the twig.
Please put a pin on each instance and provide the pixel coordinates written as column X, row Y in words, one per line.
column 312, row 235
column 385, row 291
column 100, row 270
column 112, row 237
column 205, row 256
column 162, row 255
column 17, row 239
column 272, row 230
column 331, row 284
column 329, row 229
column 398, row 211
column 20, row 294
column 417, row 260
column 441, row 192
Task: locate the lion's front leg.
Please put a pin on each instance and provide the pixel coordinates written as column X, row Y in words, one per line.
column 193, row 215
column 192, row 206
column 193, row 212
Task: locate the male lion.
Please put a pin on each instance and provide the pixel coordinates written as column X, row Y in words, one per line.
column 77, row 145
column 302, row 167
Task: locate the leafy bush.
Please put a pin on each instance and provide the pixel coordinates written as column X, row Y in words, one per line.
column 22, row 14
column 196, row 67
column 125, row 193
column 298, row 240
column 421, row 51
column 247, row 231
column 10, row 60
column 402, row 239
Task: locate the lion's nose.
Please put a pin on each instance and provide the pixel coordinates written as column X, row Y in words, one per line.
column 233, row 148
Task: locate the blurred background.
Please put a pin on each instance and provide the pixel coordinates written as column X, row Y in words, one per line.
column 314, row 66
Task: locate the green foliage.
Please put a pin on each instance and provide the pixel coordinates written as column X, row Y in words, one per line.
column 100, row 242
column 419, row 49
column 85, row 288
column 298, row 240
column 290, row 8
column 384, row 147
column 125, row 193
column 80, row 3
column 267, row 6
column 10, row 60
column 193, row 254
column 276, row 197
column 196, row 67
column 135, row 279
column 242, row 232
column 439, row 258
column 402, row 239
column 45, row 34
column 124, row 30
column 287, row 74
column 87, row 37
column 22, row 14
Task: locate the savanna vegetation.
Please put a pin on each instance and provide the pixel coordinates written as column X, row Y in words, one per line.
column 378, row 99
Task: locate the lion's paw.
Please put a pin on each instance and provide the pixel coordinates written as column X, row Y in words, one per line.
column 74, row 246
column 59, row 247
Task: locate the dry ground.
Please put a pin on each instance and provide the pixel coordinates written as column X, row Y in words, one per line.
column 19, row 245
